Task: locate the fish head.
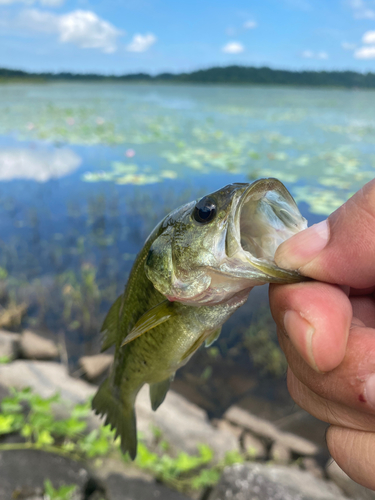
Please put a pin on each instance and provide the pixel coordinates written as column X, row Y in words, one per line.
column 209, row 250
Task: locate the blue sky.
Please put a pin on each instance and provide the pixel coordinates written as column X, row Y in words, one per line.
column 123, row 36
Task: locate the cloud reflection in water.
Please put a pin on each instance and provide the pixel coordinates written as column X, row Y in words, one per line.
column 38, row 165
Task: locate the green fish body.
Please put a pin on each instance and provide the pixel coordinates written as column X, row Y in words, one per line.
column 196, row 268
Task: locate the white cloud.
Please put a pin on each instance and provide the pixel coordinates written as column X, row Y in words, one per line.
column 40, row 21
column 361, row 10
column 369, row 37
column 369, row 51
column 249, row 25
column 348, row 46
column 365, row 14
column 141, row 43
column 233, row 48
column 365, row 53
column 22, row 163
column 85, row 29
column 82, row 28
column 44, row 3
column 309, row 54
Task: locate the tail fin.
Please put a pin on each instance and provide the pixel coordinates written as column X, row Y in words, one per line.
column 119, row 415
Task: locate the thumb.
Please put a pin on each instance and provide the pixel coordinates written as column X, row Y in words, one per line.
column 340, row 249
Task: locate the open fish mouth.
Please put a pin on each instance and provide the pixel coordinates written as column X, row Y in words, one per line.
column 265, row 216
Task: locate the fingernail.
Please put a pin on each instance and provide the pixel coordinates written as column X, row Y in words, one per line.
column 369, row 391
column 301, row 333
column 303, row 247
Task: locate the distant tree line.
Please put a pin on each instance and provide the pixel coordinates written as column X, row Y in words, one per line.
column 223, row 75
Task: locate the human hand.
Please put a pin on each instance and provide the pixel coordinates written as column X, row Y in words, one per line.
column 327, row 330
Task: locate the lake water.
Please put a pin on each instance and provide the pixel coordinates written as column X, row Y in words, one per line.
column 87, row 170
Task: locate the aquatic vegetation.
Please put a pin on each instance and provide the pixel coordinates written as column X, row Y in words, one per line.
column 260, row 340
column 41, row 430
column 321, row 201
column 123, row 173
column 65, row 492
column 184, row 472
column 70, row 437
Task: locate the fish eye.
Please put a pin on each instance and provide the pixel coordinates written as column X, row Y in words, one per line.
column 204, row 211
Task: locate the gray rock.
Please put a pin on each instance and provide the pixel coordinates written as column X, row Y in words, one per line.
column 94, row 366
column 3, row 392
column 26, row 470
column 280, row 454
column 45, row 378
column 224, row 425
column 267, row 430
column 9, row 344
column 310, row 465
column 348, row 486
column 272, row 482
column 183, row 425
column 115, row 464
column 121, row 488
column 297, row 444
column 255, row 425
column 34, row 346
column 253, row 447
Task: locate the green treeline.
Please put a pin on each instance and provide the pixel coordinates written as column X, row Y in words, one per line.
column 223, row 75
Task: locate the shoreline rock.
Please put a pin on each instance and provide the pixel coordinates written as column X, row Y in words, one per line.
column 184, row 426
column 254, row 481
column 9, row 345
column 34, row 346
column 269, row 432
column 95, row 366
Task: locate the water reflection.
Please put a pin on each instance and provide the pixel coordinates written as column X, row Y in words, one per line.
column 37, row 164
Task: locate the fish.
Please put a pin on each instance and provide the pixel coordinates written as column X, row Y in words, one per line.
column 194, row 271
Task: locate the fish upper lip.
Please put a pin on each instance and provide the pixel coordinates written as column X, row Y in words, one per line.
column 262, row 187
column 258, row 257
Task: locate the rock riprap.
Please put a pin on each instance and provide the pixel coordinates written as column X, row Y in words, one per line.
column 252, row 481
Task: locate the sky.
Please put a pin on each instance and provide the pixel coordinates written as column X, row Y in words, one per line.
column 127, row 36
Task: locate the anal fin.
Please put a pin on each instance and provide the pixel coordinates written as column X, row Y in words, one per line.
column 158, row 391
column 213, row 336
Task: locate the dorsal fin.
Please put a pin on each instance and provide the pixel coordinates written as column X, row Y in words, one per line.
column 110, row 325
column 150, row 319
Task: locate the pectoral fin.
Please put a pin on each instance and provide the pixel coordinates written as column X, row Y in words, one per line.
column 110, row 326
column 150, row 319
column 211, row 339
column 158, row 392
column 193, row 347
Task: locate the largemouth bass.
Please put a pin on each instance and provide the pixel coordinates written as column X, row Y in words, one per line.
column 196, row 268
